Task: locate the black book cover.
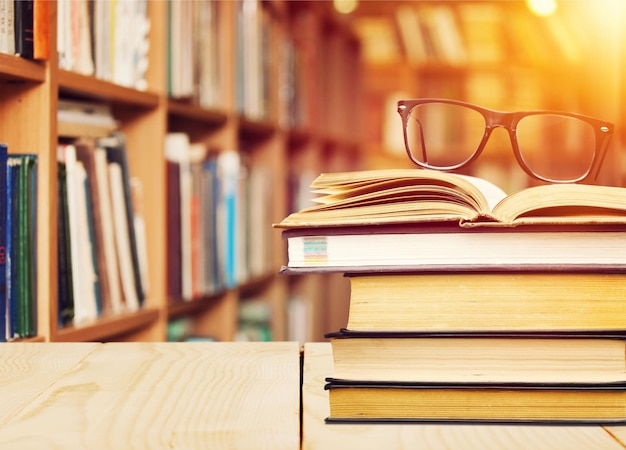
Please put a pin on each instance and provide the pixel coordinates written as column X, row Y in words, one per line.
column 24, row 23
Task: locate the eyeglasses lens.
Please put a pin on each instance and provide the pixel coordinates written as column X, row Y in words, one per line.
column 558, row 148
column 443, row 135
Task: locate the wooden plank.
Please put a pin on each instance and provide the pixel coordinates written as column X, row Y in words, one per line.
column 108, row 326
column 154, row 395
column 318, row 435
column 21, row 69
column 27, row 370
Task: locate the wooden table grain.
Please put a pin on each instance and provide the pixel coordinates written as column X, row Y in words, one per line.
column 320, row 436
column 150, row 396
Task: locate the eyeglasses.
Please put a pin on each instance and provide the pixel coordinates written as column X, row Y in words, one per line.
column 552, row 146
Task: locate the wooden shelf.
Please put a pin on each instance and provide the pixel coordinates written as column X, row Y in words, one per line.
column 108, row 327
column 90, row 87
column 15, row 68
column 189, row 111
column 186, row 308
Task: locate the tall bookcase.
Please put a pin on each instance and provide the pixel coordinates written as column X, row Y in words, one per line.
column 29, row 94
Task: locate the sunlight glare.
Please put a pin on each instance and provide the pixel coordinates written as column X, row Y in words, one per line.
column 543, row 8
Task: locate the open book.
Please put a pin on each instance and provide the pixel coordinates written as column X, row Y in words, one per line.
column 419, row 195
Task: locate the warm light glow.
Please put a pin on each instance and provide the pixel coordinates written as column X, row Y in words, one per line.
column 542, row 8
column 345, row 6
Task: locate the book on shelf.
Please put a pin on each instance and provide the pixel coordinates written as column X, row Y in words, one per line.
column 97, row 274
column 139, row 225
column 108, row 231
column 174, row 236
column 3, row 240
column 124, row 244
column 7, row 27
column 85, row 153
column 77, row 119
column 65, row 296
column 84, row 271
column 23, row 27
column 41, row 29
column 484, row 301
column 218, row 218
column 104, row 38
column 123, row 209
column 20, row 309
column 191, row 219
column 479, row 357
column 192, row 50
column 533, row 403
column 433, row 219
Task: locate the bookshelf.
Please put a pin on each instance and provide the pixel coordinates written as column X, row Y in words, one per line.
column 259, row 127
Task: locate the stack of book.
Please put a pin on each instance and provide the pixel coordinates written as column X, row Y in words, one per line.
column 468, row 305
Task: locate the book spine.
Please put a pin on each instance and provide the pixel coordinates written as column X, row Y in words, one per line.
column 41, row 29
column 174, row 275
column 11, row 264
column 66, row 300
column 3, row 240
column 23, row 22
column 117, row 153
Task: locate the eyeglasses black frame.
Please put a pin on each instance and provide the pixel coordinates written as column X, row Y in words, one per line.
column 508, row 120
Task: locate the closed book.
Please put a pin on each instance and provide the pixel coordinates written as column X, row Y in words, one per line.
column 83, row 273
column 65, row 314
column 25, row 233
column 430, row 247
column 485, row 357
column 173, row 244
column 3, row 241
column 108, row 230
column 41, row 29
column 122, row 237
column 85, row 152
column 12, row 286
column 449, row 301
column 115, row 146
column 535, row 403
column 23, row 23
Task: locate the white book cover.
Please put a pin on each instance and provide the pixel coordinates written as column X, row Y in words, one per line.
column 110, row 252
column 122, row 238
column 69, row 156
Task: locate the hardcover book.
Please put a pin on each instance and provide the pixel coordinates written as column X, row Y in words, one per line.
column 508, row 301
column 115, row 146
column 446, row 246
column 485, row 357
column 3, row 240
column 553, row 403
column 421, row 195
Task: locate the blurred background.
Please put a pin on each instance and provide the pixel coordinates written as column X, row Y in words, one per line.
column 509, row 55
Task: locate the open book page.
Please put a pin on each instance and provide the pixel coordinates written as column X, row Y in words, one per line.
column 420, row 195
column 493, row 194
column 382, row 196
column 564, row 203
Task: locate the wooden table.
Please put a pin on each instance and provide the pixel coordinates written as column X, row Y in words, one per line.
column 320, row 436
column 215, row 396
column 150, row 395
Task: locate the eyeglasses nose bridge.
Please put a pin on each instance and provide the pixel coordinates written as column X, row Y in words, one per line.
column 498, row 119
